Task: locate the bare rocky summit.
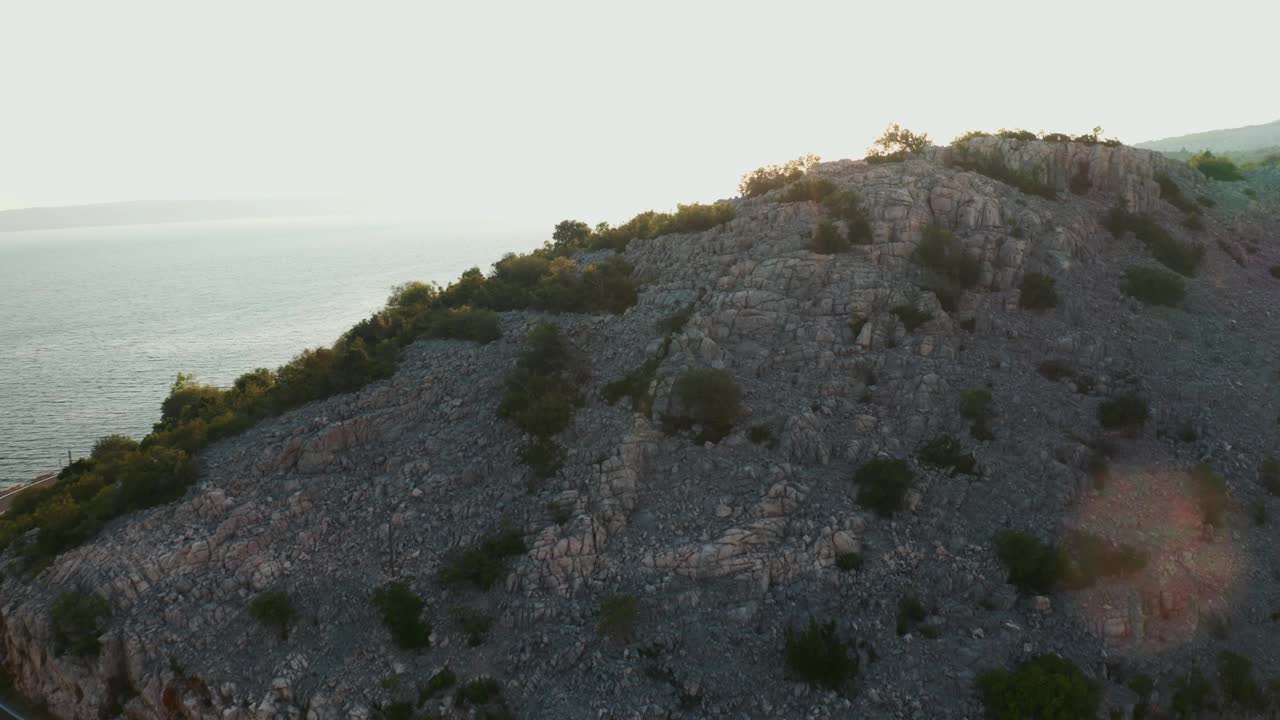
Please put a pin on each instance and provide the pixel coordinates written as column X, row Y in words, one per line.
column 726, row 545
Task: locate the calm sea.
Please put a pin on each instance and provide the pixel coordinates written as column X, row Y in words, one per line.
column 96, row 322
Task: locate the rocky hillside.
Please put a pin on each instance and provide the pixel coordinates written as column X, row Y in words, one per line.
column 704, row 554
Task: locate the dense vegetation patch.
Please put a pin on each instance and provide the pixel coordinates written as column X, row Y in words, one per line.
column 401, row 611
column 483, row 564
column 883, row 484
column 1181, row 257
column 828, row 240
column 692, row 218
column 1218, row 168
column 1192, row 695
column 911, row 316
column 618, row 617
column 76, row 621
column 771, row 177
column 847, row 207
column 1034, row 567
column 1154, row 287
column 710, row 400
column 275, row 610
column 1239, row 688
column 542, row 392
column 816, row 655
column 849, row 561
column 940, row 252
column 1047, row 687
column 1038, row 292
column 1128, row 412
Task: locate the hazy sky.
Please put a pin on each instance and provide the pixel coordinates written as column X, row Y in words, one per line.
column 534, row 111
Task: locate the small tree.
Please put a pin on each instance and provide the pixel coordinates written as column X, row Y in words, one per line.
column 570, row 234
column 77, row 619
column 710, row 398
column 771, row 177
column 274, row 610
column 896, row 143
column 816, row 656
column 1047, row 686
column 401, row 611
column 883, row 484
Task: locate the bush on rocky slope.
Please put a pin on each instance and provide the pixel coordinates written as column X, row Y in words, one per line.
column 1127, row 412
column 542, row 392
column 1034, row 567
column 695, row 217
column 1037, row 292
column 895, row 144
column 828, row 240
column 976, row 405
column 483, row 564
column 1181, row 257
column 76, row 621
column 401, row 611
column 883, row 484
column 710, row 400
column 939, row 252
column 808, row 190
column 1210, row 492
column 1218, row 168
column 1153, row 286
column 847, row 206
column 771, row 177
column 945, row 452
column 1047, row 687
column 963, row 156
column 275, row 610
column 816, row 655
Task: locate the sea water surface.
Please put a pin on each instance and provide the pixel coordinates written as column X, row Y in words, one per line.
column 95, row 323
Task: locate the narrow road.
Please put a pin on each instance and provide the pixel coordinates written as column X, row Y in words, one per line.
column 8, row 713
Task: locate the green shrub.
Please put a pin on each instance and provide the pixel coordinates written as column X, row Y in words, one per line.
column 1034, row 567
column 1024, row 135
column 541, row 396
column 910, row 613
column 911, row 316
column 474, row 624
column 76, row 621
column 1047, row 687
column 1125, row 412
column 1269, row 475
column 849, row 562
column 808, row 190
column 478, row 693
column 1183, row 258
column 710, row 398
column 771, row 177
column 1090, row 556
column 1192, row 695
column 401, row 611
column 275, row 610
column 543, row 456
column 484, row 563
column 883, row 484
column 1218, row 168
column 1154, row 287
column 618, row 617
column 827, row 239
column 636, row 385
column 976, row 405
column 1038, row 292
column 1210, row 491
column 962, row 157
column 847, row 206
column 1239, row 689
column 897, row 143
column 945, row 452
column 940, row 252
column 1172, row 194
column 817, row 656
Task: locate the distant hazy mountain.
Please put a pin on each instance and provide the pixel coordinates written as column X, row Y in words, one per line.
column 1242, row 139
column 150, row 212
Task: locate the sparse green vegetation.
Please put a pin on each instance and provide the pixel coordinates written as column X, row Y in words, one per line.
column 76, row 621
column 483, row 564
column 976, row 405
column 436, row 684
column 1034, row 567
column 695, row 217
column 761, row 435
column 1181, row 257
column 1154, row 287
column 474, row 624
column 883, row 484
column 939, row 251
column 1038, row 292
column 849, row 562
column 827, row 239
column 1218, row 168
column 911, row 316
column 541, row 395
column 771, row 177
column 1047, row 687
column 965, row 158
column 710, row 398
column 275, row 610
column 845, row 206
column 618, row 617
column 1192, row 695
column 808, row 190
column 1239, row 689
column 910, row 613
column 401, row 611
column 815, row 655
column 945, row 452
column 1210, row 491
column 1127, row 412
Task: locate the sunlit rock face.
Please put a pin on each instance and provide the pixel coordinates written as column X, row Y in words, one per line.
column 726, row 544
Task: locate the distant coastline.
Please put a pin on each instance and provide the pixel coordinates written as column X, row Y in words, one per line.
column 153, row 212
